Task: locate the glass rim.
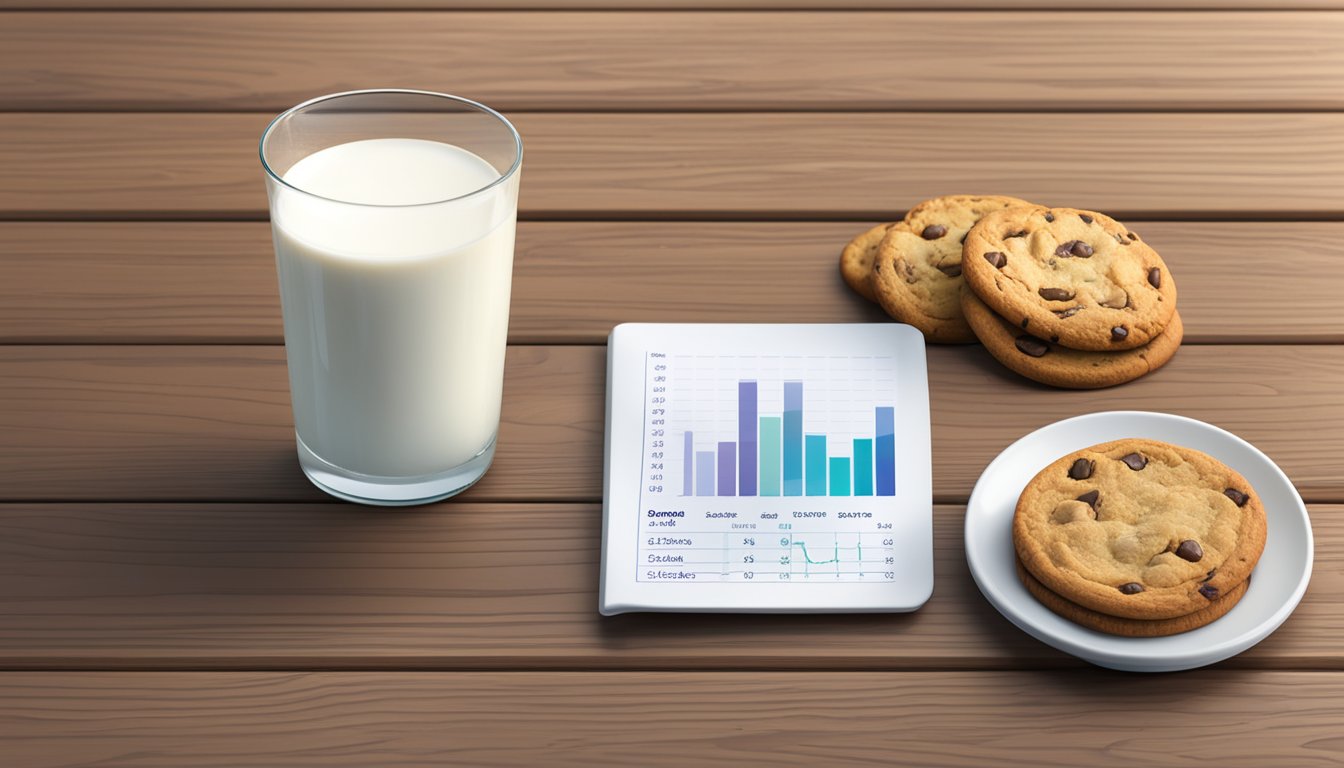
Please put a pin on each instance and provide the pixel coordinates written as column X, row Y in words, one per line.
column 476, row 105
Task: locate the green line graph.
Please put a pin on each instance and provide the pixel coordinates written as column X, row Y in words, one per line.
column 834, row 559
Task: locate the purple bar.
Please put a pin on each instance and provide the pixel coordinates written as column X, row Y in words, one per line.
column 704, row 473
column 727, row 458
column 687, row 464
column 746, row 438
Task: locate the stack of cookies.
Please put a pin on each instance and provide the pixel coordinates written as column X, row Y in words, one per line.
column 1066, row 297
column 1138, row 538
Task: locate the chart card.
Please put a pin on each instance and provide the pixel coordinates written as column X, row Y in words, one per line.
column 770, row 468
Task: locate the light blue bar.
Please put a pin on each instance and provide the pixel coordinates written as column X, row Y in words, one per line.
column 687, row 465
column 704, row 473
column 816, row 465
column 770, row 455
column 793, row 438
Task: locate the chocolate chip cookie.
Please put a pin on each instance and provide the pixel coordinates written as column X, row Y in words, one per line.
column 1044, row 360
column 1116, row 625
column 1139, row 529
column 856, row 260
column 917, row 273
column 1075, row 275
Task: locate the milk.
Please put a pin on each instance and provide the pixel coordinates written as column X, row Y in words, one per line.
column 396, row 303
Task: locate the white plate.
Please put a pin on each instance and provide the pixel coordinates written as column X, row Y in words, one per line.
column 1277, row 583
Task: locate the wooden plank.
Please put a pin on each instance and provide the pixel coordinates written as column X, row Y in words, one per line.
column 215, row 282
column 1167, row 166
column 672, row 719
column 620, row 60
column 213, row 423
column 464, row 585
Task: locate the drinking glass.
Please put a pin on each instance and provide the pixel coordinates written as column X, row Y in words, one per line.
column 393, row 216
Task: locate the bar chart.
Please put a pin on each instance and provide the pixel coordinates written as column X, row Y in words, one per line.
column 774, row 456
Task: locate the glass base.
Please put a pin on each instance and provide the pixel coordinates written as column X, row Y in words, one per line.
column 393, row 491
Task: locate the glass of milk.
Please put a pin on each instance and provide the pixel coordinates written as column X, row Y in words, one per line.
column 393, row 217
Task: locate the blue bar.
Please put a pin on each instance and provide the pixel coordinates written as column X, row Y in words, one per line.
column 886, row 451
column 727, row 457
column 704, row 473
column 746, row 438
column 816, row 465
column 863, row 467
column 793, row 438
column 687, row 464
column 839, row 476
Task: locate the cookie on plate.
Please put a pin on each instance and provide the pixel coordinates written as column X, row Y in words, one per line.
column 1077, row 275
column 1139, row 529
column 1047, row 362
column 856, row 260
column 1116, row 625
column 917, row 274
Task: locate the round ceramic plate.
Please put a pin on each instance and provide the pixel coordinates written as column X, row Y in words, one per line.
column 1277, row 583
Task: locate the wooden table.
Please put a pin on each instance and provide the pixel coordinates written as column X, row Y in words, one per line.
column 173, row 592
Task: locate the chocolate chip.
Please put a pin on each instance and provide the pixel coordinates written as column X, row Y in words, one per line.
column 1119, row 333
column 951, row 270
column 1132, row 588
column 1054, row 337
column 1070, row 312
column 1090, row 498
column 1208, row 591
column 1018, row 233
column 1055, row 294
column 933, row 232
column 1030, row 345
column 996, row 258
column 1086, row 219
column 1049, row 217
column 1134, row 461
column 1131, row 236
column 1190, row 550
column 1074, row 248
column 1155, row 277
column 1121, row 240
column 1025, row 320
column 1236, row 496
column 1081, row 469
column 1208, row 576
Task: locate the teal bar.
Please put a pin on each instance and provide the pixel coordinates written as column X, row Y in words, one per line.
column 863, row 467
column 816, row 465
column 839, row 476
column 771, row 429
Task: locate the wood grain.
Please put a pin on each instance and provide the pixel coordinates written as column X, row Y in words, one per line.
column 1166, row 166
column 137, row 423
column 464, row 585
column 215, row 282
column 615, row 60
column 672, row 719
